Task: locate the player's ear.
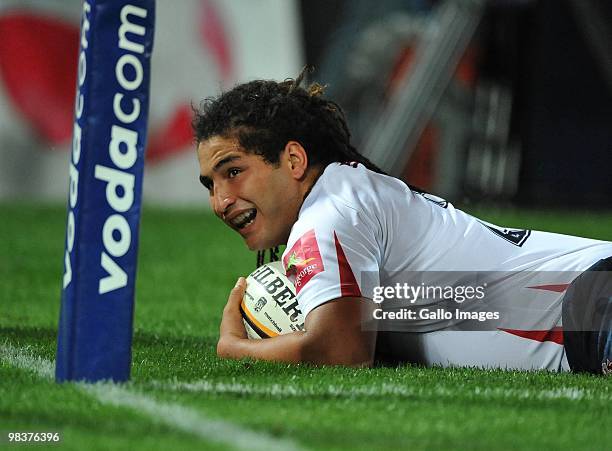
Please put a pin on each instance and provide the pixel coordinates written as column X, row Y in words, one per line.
column 296, row 158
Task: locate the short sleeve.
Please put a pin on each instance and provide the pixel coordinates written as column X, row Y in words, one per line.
column 332, row 252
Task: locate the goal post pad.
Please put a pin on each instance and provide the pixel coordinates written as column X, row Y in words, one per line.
column 105, row 190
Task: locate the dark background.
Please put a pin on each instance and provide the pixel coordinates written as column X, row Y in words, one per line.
column 562, row 101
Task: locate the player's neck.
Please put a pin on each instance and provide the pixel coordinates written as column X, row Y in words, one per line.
column 311, row 179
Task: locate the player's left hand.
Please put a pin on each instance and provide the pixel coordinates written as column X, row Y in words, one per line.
column 232, row 327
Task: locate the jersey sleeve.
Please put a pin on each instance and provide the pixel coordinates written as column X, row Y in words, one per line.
column 331, row 254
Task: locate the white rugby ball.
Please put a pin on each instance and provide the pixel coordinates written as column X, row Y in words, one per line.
column 269, row 307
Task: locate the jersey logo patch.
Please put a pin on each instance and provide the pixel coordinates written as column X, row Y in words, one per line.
column 303, row 261
column 433, row 198
column 514, row 236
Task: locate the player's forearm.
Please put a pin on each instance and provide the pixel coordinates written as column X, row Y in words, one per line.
column 284, row 348
column 297, row 347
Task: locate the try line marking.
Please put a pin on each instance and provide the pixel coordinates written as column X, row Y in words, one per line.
column 379, row 390
column 174, row 415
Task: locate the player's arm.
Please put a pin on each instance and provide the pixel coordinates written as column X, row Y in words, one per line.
column 333, row 335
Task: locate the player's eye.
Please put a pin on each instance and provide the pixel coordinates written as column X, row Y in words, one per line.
column 233, row 172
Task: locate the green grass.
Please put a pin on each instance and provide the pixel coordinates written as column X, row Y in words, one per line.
column 187, row 264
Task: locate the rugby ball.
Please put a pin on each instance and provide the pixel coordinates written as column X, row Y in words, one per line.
column 269, row 307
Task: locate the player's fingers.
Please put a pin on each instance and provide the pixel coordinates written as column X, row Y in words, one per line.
column 237, row 293
column 240, row 285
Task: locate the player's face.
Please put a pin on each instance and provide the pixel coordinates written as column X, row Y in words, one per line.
column 257, row 199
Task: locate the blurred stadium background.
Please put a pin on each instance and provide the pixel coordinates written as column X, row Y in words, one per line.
column 504, row 101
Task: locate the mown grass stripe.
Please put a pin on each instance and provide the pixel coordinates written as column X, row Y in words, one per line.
column 174, row 415
column 382, row 390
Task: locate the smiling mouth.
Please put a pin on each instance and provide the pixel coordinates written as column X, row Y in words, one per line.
column 244, row 219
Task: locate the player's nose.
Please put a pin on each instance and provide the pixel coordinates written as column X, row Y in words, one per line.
column 222, row 203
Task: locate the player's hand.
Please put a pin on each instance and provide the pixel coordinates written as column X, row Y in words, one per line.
column 232, row 327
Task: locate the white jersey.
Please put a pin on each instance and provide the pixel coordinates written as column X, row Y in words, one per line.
column 355, row 222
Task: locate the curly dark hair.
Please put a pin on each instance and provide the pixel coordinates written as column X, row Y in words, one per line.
column 263, row 115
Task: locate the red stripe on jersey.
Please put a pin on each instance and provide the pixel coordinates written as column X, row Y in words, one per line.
column 348, row 284
column 555, row 334
column 556, row 288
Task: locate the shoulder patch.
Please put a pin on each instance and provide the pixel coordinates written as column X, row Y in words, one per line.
column 514, row 236
column 304, row 260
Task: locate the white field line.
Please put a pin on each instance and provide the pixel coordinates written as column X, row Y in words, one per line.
column 380, row 390
column 173, row 415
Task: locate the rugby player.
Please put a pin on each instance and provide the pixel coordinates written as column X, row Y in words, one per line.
column 277, row 161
